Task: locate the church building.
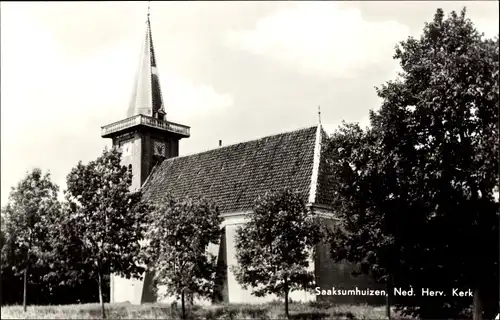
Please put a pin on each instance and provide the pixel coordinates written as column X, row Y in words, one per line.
column 231, row 176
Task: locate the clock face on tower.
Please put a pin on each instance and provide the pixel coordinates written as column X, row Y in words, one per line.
column 159, row 149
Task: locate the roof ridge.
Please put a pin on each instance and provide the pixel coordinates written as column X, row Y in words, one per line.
column 243, row 142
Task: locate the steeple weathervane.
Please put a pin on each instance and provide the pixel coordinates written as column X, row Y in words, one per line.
column 147, row 97
column 319, row 115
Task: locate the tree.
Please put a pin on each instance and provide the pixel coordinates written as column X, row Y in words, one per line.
column 105, row 217
column 423, row 176
column 365, row 204
column 273, row 247
column 32, row 204
column 179, row 233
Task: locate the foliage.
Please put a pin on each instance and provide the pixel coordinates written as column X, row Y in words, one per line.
column 104, row 220
column 27, row 218
column 70, row 267
column 415, row 191
column 179, row 233
column 361, row 234
column 273, row 246
column 48, row 282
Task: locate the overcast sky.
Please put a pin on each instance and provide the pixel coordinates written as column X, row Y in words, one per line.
column 233, row 71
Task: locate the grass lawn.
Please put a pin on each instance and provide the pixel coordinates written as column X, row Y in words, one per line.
column 227, row 312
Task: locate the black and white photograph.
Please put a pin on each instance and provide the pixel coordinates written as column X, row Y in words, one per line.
column 250, row 160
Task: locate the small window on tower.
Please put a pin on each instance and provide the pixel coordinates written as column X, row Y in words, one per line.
column 126, row 147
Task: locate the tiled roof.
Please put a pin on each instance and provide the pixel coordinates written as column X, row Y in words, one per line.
column 233, row 176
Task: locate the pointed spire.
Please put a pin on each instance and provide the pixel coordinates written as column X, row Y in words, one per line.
column 147, row 98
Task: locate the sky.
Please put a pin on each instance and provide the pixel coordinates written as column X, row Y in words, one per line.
column 233, row 71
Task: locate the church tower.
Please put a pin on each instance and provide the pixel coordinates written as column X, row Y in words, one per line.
column 146, row 138
column 145, row 135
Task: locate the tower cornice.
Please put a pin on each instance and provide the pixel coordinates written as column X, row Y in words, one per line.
column 140, row 120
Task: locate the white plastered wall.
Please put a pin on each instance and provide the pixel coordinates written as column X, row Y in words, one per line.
column 236, row 292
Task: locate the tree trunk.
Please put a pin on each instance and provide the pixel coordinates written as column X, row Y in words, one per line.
column 183, row 305
column 25, row 287
column 286, row 299
column 477, row 309
column 101, row 299
column 388, row 306
column 388, row 298
column 191, row 299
